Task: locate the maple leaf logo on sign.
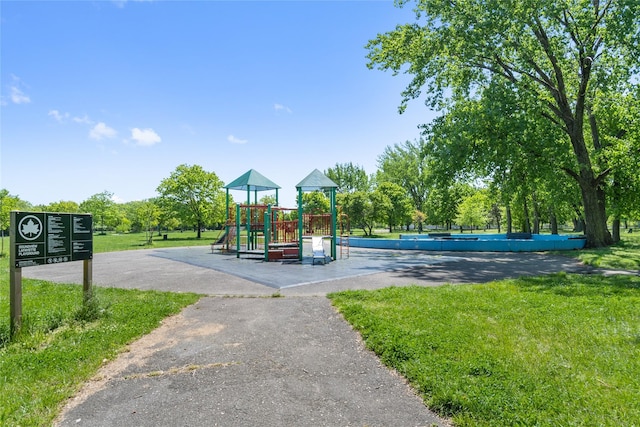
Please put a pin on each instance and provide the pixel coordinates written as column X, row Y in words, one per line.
column 30, row 227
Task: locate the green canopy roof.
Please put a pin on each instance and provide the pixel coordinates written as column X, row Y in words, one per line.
column 252, row 180
column 316, row 180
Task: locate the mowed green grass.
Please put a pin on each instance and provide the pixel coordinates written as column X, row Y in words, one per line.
column 62, row 342
column 624, row 255
column 112, row 242
column 560, row 350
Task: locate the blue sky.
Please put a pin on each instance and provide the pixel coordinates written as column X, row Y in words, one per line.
column 113, row 95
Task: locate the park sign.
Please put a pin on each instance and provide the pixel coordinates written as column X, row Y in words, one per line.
column 45, row 238
column 50, row 238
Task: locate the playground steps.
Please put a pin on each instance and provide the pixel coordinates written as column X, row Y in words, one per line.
column 284, row 253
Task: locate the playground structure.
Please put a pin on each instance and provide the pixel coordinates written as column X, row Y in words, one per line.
column 273, row 232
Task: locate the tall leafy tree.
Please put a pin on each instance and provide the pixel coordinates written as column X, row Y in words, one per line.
column 67, row 206
column 363, row 209
column 148, row 214
column 195, row 195
column 564, row 54
column 399, row 207
column 315, row 202
column 441, row 208
column 474, row 210
column 407, row 166
column 620, row 137
column 102, row 207
column 349, row 177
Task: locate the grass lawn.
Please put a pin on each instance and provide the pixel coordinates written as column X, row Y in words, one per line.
column 62, row 343
column 624, row 255
column 548, row 351
column 112, row 242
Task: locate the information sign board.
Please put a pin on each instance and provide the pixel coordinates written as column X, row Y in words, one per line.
column 51, row 238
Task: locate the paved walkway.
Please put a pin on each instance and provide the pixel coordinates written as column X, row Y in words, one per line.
column 250, row 361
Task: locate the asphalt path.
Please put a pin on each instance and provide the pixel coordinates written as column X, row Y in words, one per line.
column 239, row 357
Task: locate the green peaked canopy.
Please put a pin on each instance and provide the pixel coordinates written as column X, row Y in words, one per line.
column 316, row 180
column 252, row 180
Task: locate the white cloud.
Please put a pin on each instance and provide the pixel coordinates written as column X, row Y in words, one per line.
column 16, row 94
column 18, row 97
column 63, row 117
column 101, row 130
column 84, row 120
column 280, row 107
column 145, row 137
column 60, row 117
column 235, row 140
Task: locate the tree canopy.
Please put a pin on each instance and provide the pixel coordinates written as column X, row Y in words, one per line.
column 194, row 195
column 102, row 207
column 565, row 56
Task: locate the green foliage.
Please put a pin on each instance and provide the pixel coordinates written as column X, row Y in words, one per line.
column 361, row 210
column 8, row 203
column 266, row 200
column 548, row 351
column 399, row 209
column 67, row 206
column 103, row 209
column 474, row 210
column 193, row 195
column 407, row 166
column 442, row 205
column 349, row 178
column 315, row 202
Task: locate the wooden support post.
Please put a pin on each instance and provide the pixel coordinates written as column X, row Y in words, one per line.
column 15, row 280
column 15, row 299
column 87, row 279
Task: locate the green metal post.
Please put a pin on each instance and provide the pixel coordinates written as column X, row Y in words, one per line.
column 249, row 247
column 226, row 222
column 238, row 235
column 300, row 224
column 333, row 223
column 267, row 228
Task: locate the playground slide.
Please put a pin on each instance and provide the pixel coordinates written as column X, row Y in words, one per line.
column 226, row 236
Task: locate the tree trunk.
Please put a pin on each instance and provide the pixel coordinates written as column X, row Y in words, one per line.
column 554, row 222
column 595, row 218
column 536, row 214
column 509, row 220
column 616, row 229
column 199, row 230
column 591, row 187
column 526, row 226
